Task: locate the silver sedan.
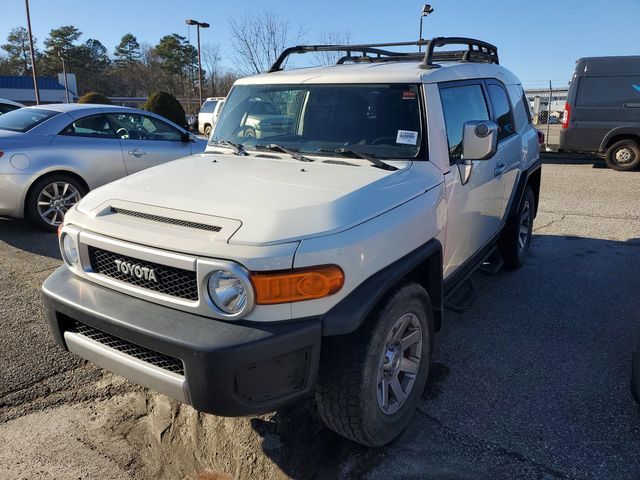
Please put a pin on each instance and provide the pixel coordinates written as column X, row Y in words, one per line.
column 52, row 155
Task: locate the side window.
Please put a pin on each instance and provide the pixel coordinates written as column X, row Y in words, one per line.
column 95, row 126
column 502, row 111
column 133, row 126
column 208, row 106
column 461, row 104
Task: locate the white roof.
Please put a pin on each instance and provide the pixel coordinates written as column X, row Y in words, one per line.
column 384, row 72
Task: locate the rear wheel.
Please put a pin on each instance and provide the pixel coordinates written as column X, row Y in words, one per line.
column 516, row 238
column 623, row 155
column 370, row 382
column 50, row 198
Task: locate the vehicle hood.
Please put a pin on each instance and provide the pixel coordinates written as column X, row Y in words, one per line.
column 273, row 200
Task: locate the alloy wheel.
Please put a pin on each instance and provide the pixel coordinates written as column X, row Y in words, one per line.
column 55, row 200
column 399, row 363
column 525, row 227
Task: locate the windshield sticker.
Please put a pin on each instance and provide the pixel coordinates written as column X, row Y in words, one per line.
column 408, row 95
column 407, row 137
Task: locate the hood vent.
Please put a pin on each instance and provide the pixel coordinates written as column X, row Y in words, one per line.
column 170, row 221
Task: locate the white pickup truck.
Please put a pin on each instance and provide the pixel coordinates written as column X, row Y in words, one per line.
column 313, row 258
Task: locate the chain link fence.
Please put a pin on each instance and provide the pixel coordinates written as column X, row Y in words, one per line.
column 547, row 100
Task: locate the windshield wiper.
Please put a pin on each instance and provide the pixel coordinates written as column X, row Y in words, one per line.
column 238, row 148
column 378, row 163
column 278, row 148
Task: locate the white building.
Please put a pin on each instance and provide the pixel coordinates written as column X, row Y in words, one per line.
column 20, row 89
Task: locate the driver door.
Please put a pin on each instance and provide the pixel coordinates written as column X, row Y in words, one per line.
column 147, row 141
column 475, row 207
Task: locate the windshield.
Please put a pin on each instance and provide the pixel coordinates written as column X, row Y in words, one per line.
column 379, row 120
column 24, row 119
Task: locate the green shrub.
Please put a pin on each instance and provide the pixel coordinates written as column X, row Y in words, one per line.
column 94, row 97
column 167, row 105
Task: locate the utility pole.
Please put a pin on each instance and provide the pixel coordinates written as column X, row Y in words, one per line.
column 33, row 56
column 198, row 25
column 64, row 74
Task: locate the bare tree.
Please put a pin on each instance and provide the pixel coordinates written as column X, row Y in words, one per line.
column 333, row 37
column 211, row 58
column 259, row 38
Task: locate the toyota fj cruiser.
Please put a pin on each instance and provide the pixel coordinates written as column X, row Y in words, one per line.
column 313, row 257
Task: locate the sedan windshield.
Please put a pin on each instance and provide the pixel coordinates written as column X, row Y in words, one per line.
column 378, row 120
column 24, row 119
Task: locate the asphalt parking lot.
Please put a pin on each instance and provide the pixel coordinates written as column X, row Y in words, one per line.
column 531, row 381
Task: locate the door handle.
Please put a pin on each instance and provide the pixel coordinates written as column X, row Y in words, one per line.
column 500, row 169
column 137, row 152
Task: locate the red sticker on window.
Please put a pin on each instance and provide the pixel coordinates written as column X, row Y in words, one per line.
column 408, row 95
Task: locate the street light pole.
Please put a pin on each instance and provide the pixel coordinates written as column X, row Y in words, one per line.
column 33, row 56
column 426, row 10
column 198, row 25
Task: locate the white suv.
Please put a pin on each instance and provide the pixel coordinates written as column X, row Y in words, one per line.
column 313, row 257
column 208, row 114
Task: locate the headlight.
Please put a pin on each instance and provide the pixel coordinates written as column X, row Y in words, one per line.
column 227, row 291
column 69, row 250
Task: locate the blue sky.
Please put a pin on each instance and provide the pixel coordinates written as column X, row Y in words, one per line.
column 539, row 41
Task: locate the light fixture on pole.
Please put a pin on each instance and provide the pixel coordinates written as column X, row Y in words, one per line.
column 426, row 11
column 198, row 25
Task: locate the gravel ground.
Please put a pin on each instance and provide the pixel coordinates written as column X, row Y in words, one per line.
column 531, row 381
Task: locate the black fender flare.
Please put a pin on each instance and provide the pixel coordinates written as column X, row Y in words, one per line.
column 351, row 312
column 523, row 181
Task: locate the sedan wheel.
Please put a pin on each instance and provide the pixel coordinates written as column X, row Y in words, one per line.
column 50, row 198
column 55, row 200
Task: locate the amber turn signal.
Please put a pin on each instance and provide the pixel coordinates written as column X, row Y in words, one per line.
column 297, row 285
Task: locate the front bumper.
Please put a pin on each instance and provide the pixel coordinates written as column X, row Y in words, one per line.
column 228, row 368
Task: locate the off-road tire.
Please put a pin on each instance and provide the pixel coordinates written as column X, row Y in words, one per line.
column 626, row 149
column 513, row 254
column 347, row 386
column 31, row 203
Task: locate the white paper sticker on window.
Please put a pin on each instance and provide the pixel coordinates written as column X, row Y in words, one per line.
column 407, row 137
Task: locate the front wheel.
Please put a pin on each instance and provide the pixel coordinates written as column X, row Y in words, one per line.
column 623, row 155
column 50, row 198
column 370, row 382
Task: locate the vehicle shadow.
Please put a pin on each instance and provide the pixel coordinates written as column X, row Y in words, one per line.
column 22, row 235
column 538, row 363
column 554, row 158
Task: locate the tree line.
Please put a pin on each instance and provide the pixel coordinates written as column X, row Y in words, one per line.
column 136, row 70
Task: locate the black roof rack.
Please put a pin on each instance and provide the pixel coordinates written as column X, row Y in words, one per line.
column 476, row 51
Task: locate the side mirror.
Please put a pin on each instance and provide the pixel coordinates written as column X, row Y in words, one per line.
column 479, row 142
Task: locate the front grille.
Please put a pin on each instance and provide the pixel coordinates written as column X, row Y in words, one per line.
column 157, row 359
column 175, row 282
column 170, row 221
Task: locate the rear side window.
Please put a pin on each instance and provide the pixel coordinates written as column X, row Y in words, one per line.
column 24, row 119
column 208, row 106
column 461, row 104
column 501, row 111
column 95, row 126
column 608, row 91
